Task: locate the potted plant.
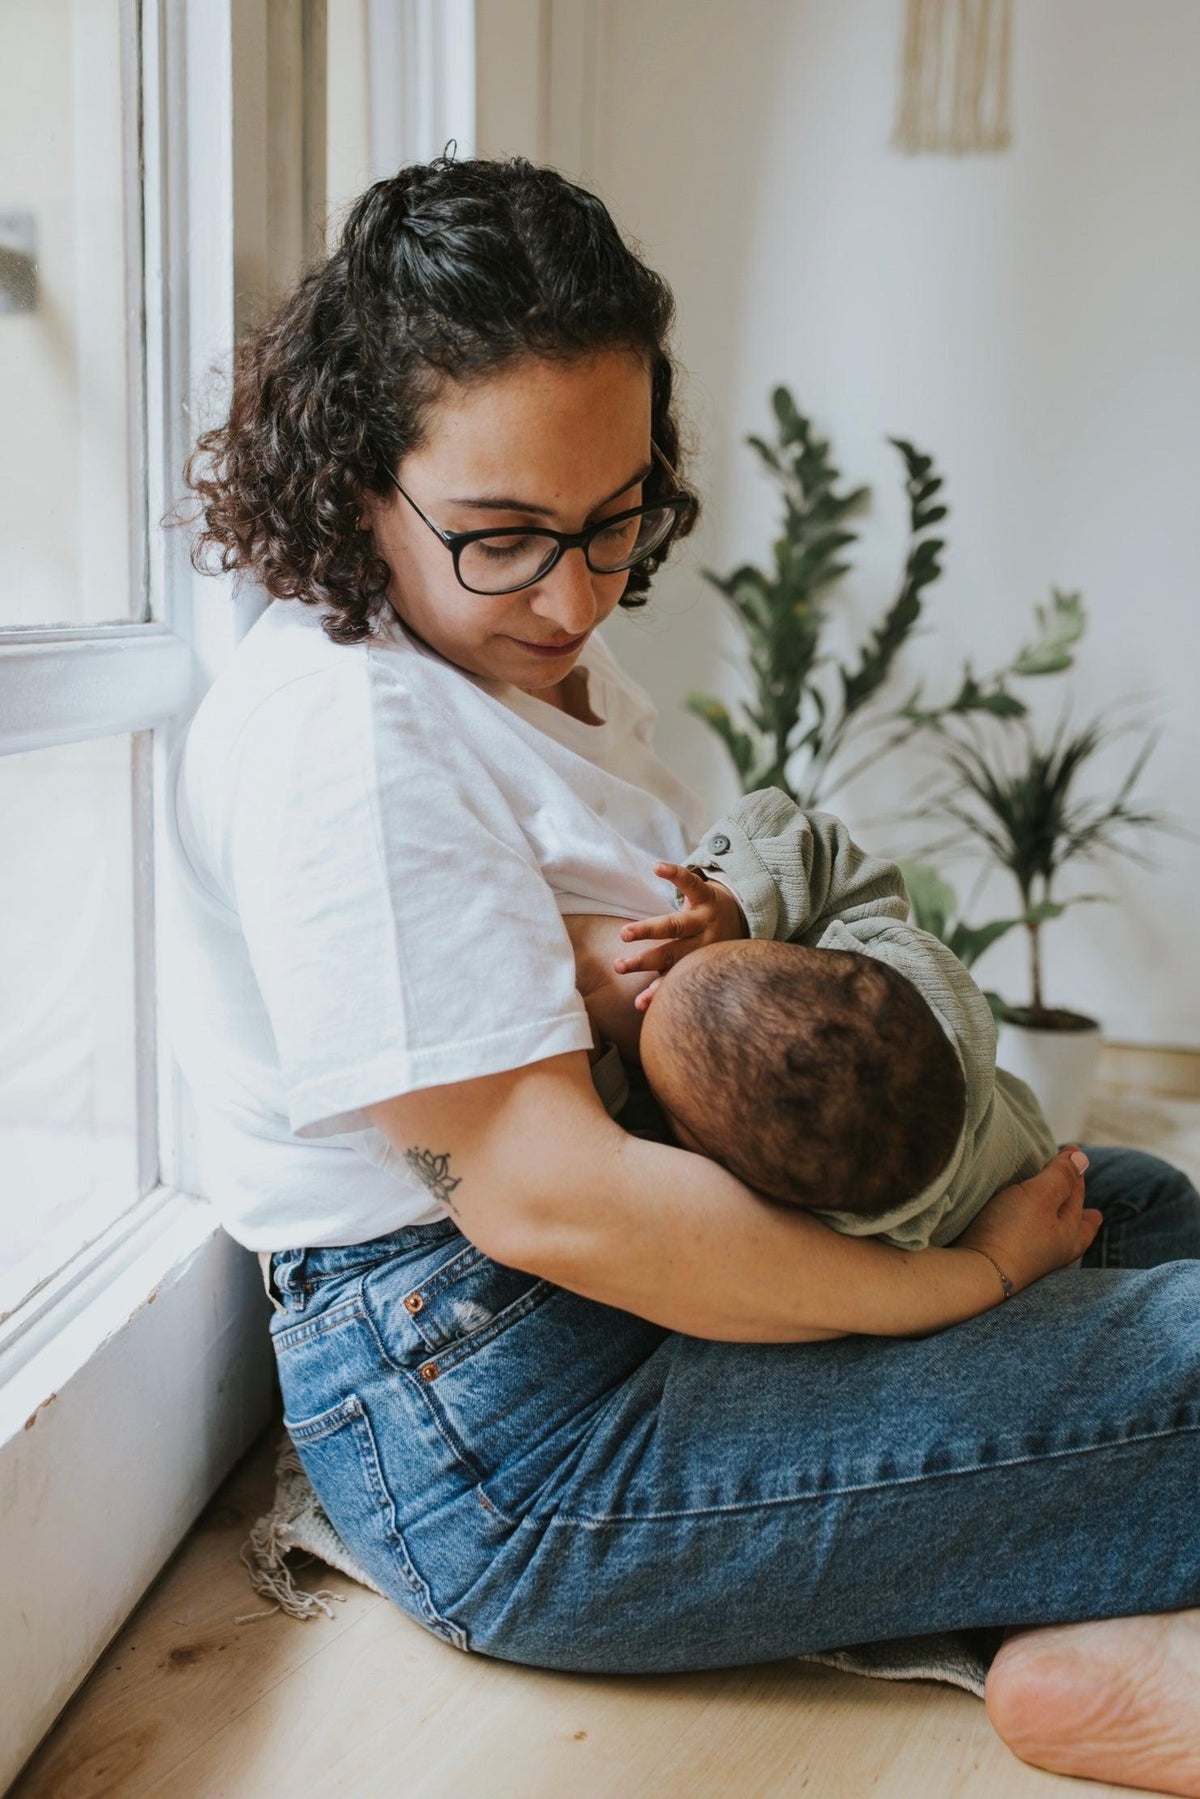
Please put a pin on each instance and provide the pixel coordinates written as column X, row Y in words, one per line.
column 1015, row 803
column 809, row 708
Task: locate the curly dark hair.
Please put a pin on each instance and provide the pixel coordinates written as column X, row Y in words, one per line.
column 445, row 271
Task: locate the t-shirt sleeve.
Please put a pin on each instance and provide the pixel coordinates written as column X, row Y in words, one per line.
column 398, row 925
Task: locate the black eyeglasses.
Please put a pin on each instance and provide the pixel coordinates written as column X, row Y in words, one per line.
column 503, row 561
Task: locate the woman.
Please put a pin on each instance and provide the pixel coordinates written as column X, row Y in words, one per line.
column 574, row 1396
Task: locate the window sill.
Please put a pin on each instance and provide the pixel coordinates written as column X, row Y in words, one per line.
column 129, row 1386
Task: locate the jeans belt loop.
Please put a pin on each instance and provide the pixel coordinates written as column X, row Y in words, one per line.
column 264, row 1262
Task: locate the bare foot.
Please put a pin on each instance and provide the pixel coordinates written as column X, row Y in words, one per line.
column 1117, row 1699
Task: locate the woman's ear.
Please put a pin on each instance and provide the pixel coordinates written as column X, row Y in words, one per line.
column 366, row 510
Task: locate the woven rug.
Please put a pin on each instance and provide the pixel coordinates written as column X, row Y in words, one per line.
column 296, row 1524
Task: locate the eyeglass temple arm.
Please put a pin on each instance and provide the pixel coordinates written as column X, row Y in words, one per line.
column 665, row 463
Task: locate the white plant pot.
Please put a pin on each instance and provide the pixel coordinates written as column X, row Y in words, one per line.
column 1060, row 1066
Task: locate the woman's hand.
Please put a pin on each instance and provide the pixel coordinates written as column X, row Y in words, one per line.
column 1038, row 1225
column 710, row 914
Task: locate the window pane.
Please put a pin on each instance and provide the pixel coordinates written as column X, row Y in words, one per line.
column 68, row 1101
column 65, row 485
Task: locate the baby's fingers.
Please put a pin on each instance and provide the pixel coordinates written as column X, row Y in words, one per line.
column 693, row 886
column 668, row 926
column 642, row 1000
column 671, row 928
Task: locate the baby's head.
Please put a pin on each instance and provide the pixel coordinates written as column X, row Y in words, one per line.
column 820, row 1078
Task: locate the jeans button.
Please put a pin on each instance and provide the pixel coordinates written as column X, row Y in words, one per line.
column 414, row 1302
column 429, row 1370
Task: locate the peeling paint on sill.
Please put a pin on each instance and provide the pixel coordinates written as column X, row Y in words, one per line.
column 33, row 1416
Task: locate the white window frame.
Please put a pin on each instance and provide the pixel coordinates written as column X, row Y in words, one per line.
column 134, row 1377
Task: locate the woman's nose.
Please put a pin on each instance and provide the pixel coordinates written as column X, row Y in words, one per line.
column 570, row 594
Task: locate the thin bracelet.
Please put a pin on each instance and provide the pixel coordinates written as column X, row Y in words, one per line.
column 1004, row 1280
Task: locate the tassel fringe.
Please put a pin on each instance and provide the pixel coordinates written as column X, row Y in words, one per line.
column 296, row 1522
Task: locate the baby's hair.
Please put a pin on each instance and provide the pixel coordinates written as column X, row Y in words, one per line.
column 819, row 1077
column 445, row 271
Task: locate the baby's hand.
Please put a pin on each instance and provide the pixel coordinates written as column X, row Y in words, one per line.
column 710, row 915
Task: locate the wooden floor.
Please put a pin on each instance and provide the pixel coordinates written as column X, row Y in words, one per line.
column 188, row 1703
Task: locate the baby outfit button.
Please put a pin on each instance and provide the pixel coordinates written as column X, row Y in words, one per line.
column 720, row 845
column 414, row 1302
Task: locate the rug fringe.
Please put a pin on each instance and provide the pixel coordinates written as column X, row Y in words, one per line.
column 265, row 1551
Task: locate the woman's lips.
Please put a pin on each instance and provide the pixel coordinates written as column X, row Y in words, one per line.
column 551, row 649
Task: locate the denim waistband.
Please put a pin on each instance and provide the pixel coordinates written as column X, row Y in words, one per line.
column 290, row 1274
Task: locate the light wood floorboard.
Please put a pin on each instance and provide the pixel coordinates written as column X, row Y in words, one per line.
column 186, row 1703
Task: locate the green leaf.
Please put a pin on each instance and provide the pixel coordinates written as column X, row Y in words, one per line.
column 880, row 651
column 766, row 452
column 933, row 900
column 999, row 704
column 969, row 941
column 1060, row 625
column 785, row 411
column 738, row 743
column 803, row 703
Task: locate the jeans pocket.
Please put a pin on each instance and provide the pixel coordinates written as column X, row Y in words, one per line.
column 434, row 1318
column 338, row 1451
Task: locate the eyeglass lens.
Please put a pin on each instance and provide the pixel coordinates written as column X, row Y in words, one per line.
column 493, row 564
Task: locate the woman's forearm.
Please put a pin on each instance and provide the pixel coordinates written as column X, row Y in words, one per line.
column 536, row 1173
column 675, row 1238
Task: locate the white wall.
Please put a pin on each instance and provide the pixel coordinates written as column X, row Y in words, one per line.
column 1032, row 318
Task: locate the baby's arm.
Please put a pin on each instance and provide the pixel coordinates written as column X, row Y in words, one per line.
column 790, row 874
column 793, row 871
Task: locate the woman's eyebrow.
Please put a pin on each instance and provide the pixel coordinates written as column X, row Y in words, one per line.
column 492, row 503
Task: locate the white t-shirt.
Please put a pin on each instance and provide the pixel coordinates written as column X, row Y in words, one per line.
column 369, row 852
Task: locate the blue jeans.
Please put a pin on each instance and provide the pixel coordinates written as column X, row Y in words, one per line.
column 538, row 1477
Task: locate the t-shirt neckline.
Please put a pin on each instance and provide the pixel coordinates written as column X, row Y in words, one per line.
column 564, row 725
column 572, row 731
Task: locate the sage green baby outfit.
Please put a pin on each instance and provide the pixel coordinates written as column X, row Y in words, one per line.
column 800, row 878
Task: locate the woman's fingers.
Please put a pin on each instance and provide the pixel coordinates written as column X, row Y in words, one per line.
column 1082, row 1220
column 1060, row 1182
column 1086, row 1228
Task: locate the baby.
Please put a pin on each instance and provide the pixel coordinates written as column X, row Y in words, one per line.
column 798, row 1030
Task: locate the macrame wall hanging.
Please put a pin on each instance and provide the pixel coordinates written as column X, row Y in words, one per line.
column 954, row 92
